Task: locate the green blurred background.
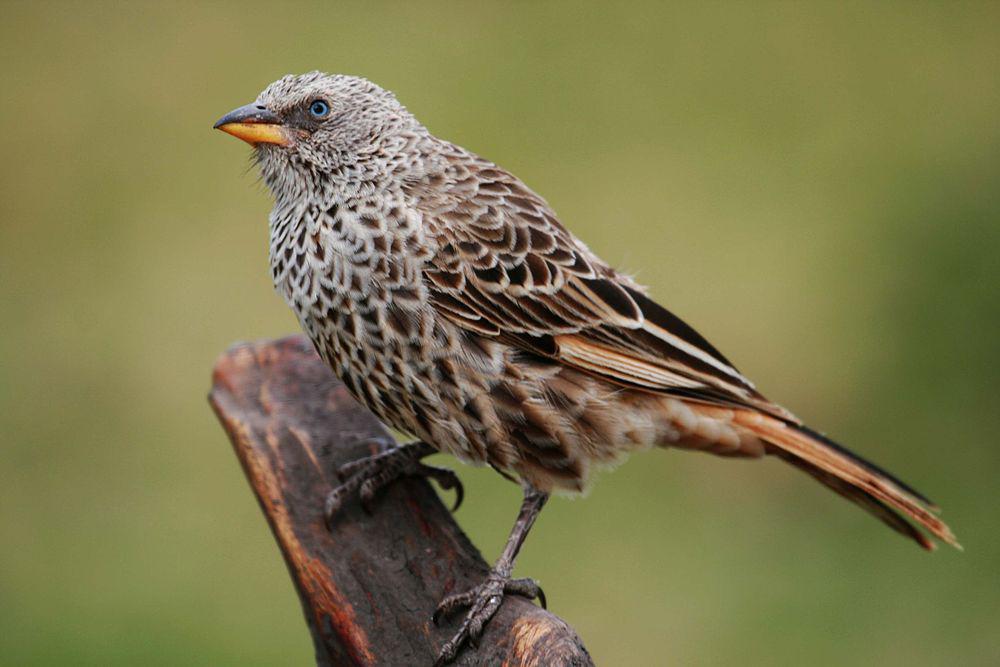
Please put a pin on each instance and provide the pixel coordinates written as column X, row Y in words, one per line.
column 815, row 187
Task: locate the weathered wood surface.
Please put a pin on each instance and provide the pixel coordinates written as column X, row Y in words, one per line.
column 369, row 587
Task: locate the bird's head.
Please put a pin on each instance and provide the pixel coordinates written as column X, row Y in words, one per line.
column 320, row 123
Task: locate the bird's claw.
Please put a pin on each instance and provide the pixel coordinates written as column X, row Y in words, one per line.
column 483, row 601
column 446, row 479
column 367, row 476
column 351, row 468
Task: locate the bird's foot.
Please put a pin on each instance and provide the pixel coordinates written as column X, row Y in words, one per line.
column 368, row 475
column 482, row 601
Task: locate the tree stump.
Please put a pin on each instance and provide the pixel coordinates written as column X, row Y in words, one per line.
column 369, row 586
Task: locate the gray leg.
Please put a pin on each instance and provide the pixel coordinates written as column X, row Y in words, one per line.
column 484, row 600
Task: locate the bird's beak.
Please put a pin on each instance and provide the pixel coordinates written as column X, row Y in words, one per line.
column 254, row 124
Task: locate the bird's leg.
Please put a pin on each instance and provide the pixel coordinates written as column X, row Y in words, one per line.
column 367, row 475
column 484, row 600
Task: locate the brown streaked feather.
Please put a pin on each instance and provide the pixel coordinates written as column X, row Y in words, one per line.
column 602, row 360
column 508, row 269
column 506, row 264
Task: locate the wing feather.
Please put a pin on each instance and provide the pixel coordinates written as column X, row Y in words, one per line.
column 504, row 266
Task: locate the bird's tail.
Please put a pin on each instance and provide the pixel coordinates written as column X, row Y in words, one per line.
column 859, row 481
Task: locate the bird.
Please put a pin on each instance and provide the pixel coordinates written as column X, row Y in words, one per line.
column 453, row 303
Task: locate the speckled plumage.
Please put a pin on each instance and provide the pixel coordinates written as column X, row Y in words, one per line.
column 453, row 303
column 432, row 281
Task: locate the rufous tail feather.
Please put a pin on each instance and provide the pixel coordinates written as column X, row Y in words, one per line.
column 847, row 474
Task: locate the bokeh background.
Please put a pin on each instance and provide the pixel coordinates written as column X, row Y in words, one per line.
column 815, row 186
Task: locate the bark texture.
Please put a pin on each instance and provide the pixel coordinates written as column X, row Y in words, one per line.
column 369, row 586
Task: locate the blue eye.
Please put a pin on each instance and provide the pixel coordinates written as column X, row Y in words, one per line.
column 319, row 108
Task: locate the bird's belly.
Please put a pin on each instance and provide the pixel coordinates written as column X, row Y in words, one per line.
column 404, row 382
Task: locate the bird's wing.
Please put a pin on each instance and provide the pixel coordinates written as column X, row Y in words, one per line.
column 505, row 267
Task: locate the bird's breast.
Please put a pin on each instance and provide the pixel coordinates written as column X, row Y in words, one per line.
column 353, row 274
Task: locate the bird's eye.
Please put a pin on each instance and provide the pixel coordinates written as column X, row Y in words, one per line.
column 319, row 108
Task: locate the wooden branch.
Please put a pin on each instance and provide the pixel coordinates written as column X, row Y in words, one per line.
column 369, row 587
